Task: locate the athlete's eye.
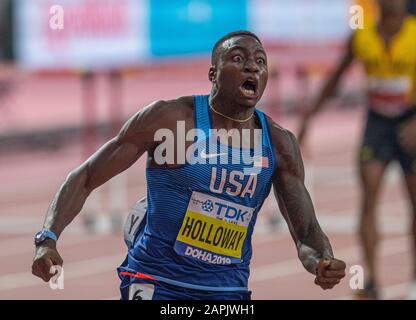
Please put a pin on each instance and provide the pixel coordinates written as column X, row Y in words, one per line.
column 261, row 61
column 237, row 58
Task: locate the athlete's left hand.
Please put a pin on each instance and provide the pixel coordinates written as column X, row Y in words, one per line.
column 329, row 272
column 407, row 134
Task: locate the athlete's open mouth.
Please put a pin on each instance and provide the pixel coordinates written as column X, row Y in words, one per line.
column 249, row 88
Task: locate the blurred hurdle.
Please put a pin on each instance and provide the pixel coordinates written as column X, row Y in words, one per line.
column 107, row 205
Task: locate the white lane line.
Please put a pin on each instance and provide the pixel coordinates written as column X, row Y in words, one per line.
column 293, row 266
column 397, row 291
column 77, row 234
column 73, row 270
column 24, row 244
column 337, row 221
column 262, row 234
column 332, row 174
column 346, row 221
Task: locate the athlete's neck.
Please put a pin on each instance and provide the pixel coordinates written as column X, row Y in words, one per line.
column 229, row 113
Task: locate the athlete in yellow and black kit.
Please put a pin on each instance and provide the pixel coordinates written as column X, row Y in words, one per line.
column 387, row 50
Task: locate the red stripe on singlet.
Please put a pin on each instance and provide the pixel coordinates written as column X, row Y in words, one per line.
column 137, row 275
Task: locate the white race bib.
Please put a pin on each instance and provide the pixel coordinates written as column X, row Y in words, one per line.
column 134, row 220
column 213, row 230
column 389, row 96
column 141, row 291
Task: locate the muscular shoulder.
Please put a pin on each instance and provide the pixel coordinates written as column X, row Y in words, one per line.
column 175, row 109
column 282, row 139
column 161, row 114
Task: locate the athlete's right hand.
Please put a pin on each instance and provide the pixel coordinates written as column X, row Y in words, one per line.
column 46, row 256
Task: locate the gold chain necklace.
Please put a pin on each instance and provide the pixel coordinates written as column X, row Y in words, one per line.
column 229, row 118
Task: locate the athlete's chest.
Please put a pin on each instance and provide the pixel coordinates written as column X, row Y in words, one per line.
column 241, row 176
column 397, row 55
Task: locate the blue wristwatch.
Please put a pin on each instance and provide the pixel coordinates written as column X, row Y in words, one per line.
column 43, row 235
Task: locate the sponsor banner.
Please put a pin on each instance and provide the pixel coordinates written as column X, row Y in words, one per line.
column 184, row 27
column 94, row 34
column 300, row 20
column 120, row 33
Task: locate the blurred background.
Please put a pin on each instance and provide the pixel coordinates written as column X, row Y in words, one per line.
column 64, row 91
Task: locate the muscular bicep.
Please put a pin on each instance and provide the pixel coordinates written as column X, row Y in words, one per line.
column 295, row 204
column 110, row 160
column 118, row 154
column 342, row 65
column 290, row 191
column 348, row 56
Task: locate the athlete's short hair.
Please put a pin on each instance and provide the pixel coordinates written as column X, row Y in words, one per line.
column 216, row 50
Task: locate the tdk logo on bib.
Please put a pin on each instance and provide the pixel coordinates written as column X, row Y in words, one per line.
column 231, row 213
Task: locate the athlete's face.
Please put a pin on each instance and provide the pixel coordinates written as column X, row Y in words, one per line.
column 241, row 70
column 393, row 6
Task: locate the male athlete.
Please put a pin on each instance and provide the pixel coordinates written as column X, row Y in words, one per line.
column 195, row 242
column 388, row 52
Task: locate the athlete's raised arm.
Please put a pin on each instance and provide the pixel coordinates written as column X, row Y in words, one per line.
column 314, row 249
column 328, row 89
column 115, row 156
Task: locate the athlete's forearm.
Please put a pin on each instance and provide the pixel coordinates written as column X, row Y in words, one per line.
column 326, row 92
column 297, row 209
column 67, row 202
column 332, row 82
column 110, row 160
column 311, row 242
column 313, row 247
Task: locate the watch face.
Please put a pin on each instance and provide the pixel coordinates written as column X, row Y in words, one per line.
column 43, row 235
column 39, row 237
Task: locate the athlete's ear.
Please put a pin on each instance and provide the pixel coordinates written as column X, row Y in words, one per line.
column 212, row 74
